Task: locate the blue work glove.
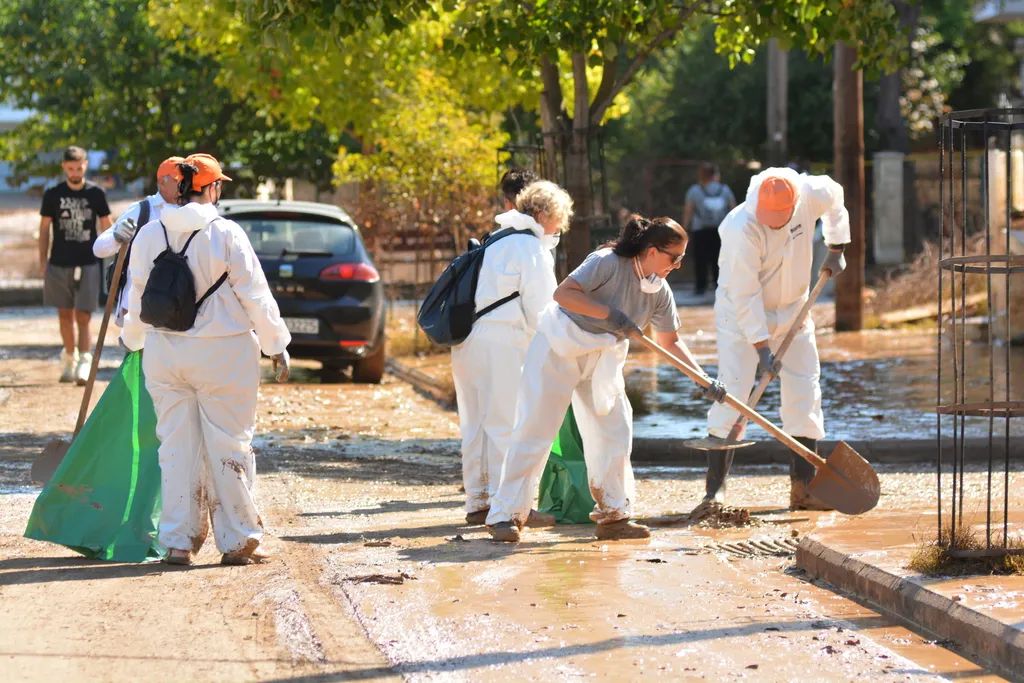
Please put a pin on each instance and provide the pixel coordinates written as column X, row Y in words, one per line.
column 834, row 263
column 715, row 391
column 766, row 362
column 619, row 324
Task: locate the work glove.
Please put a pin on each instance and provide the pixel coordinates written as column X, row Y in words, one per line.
column 282, row 366
column 715, row 391
column 834, row 263
column 766, row 362
column 619, row 324
column 125, row 230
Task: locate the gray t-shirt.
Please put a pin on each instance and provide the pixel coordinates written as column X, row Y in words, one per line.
column 610, row 279
column 710, row 204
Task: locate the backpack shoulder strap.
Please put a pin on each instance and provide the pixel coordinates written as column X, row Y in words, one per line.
column 187, row 242
column 166, row 238
column 496, row 304
column 213, row 288
column 144, row 211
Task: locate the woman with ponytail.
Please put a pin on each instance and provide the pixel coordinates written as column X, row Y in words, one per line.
column 204, row 379
column 577, row 358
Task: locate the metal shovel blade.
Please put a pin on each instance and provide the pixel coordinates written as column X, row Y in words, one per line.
column 711, row 444
column 847, row 483
column 48, row 461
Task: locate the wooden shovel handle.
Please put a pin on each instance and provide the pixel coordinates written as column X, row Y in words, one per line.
column 766, row 378
column 739, row 405
column 111, row 297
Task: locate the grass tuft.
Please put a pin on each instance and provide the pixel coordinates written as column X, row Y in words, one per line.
column 932, row 559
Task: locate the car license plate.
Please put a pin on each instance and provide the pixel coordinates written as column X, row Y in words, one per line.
column 302, row 325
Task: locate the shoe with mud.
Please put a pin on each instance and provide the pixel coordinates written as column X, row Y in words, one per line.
column 799, row 499
column 242, row 558
column 181, row 558
column 622, row 530
column 478, row 517
column 504, row 532
column 538, row 520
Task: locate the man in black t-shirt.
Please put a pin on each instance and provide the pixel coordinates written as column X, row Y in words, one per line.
column 77, row 211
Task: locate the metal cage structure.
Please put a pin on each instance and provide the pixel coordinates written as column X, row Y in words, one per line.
column 981, row 154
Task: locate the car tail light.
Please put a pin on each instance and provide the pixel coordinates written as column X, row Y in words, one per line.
column 352, row 342
column 356, row 272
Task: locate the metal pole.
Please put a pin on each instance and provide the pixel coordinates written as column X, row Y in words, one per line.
column 938, row 344
column 985, row 197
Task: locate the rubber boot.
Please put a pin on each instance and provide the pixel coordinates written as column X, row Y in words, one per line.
column 622, row 530
column 539, row 520
column 801, row 473
column 719, row 463
column 504, row 532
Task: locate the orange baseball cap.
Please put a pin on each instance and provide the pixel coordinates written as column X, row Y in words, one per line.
column 776, row 199
column 209, row 170
column 169, row 166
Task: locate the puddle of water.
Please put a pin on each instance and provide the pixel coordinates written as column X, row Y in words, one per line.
column 873, row 387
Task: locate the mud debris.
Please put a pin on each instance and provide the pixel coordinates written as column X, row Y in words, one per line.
column 389, row 579
column 378, row 544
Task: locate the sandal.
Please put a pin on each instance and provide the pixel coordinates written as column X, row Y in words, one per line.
column 178, row 557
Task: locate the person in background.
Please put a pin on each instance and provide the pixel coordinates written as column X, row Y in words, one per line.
column 76, row 210
column 707, row 204
column 138, row 214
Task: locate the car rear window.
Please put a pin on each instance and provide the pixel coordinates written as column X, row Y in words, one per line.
column 270, row 236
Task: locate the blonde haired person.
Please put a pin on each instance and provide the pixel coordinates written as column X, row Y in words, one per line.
column 204, row 380
column 517, row 270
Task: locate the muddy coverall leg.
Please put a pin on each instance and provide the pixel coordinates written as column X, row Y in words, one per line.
column 545, row 392
column 486, row 369
column 205, row 393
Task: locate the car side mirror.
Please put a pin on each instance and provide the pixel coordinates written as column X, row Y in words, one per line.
column 473, row 243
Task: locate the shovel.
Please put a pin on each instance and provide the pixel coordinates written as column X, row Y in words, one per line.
column 732, row 441
column 47, row 463
column 845, row 481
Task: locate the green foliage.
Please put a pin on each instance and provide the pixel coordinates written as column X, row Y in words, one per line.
column 99, row 76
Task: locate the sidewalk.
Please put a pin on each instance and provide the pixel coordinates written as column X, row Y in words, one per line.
column 868, row 556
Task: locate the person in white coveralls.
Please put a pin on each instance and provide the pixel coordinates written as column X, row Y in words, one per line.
column 204, row 381
column 486, row 367
column 764, row 280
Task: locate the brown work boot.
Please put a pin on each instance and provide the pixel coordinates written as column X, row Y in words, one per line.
column 504, row 532
column 539, row 519
column 622, row 530
column 799, row 499
column 477, row 517
column 252, row 553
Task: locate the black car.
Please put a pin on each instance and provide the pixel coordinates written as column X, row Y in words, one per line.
column 330, row 294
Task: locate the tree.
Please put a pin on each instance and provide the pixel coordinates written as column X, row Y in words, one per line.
column 97, row 75
column 614, row 38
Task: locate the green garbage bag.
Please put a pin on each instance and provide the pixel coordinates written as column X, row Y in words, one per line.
column 564, row 486
column 104, row 499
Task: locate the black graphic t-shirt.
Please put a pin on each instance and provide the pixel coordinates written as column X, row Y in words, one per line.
column 74, row 214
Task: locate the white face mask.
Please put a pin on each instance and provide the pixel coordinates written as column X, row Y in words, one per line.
column 549, row 242
column 650, row 284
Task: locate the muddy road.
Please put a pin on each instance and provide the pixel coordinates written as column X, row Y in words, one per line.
column 377, row 578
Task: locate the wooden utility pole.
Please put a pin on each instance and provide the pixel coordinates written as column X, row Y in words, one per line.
column 778, row 86
column 848, row 147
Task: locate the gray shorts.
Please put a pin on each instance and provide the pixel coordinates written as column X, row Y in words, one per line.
column 61, row 290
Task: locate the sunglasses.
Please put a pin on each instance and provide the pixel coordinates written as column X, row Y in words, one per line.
column 676, row 258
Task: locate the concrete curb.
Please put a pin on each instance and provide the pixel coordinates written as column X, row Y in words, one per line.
column 21, row 293
column 672, row 451
column 999, row 645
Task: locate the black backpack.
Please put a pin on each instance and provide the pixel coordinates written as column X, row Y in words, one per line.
column 143, row 219
column 169, row 300
column 449, row 311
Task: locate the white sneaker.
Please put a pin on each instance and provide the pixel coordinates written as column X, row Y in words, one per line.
column 68, row 362
column 83, row 368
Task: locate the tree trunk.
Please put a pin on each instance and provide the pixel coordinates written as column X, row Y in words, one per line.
column 577, row 184
column 848, row 119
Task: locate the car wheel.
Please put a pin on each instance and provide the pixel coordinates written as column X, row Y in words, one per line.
column 370, row 370
column 333, row 373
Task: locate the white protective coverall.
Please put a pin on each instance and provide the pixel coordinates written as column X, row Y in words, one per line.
column 567, row 364
column 106, row 246
column 487, row 366
column 763, row 283
column 204, row 381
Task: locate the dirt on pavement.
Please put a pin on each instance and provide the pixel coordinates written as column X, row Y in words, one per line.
column 377, row 577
